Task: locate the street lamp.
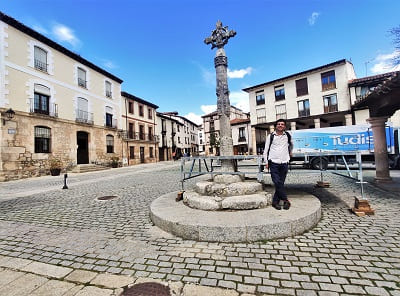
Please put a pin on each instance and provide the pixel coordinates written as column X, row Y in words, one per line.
column 8, row 115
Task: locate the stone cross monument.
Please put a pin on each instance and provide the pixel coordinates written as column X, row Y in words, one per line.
column 219, row 37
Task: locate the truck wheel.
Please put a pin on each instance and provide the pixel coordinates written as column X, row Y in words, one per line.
column 317, row 163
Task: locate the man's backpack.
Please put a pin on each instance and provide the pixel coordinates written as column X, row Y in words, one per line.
column 289, row 138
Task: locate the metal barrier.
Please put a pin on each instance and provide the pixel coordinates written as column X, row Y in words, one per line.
column 192, row 167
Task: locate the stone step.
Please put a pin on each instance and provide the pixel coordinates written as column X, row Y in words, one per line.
column 233, row 189
column 84, row 168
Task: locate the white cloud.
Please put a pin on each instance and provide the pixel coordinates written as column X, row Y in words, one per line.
column 240, row 99
column 208, row 76
column 194, row 118
column 239, row 73
column 208, row 108
column 384, row 63
column 313, row 18
column 65, row 34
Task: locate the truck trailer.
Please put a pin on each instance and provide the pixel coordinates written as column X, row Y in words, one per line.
column 318, row 147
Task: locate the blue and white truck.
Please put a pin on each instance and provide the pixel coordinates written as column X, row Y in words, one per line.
column 316, row 147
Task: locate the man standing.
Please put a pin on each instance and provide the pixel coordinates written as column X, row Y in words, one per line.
column 277, row 152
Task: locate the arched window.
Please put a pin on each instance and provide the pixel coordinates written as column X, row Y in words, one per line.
column 110, row 143
column 40, row 60
column 42, row 139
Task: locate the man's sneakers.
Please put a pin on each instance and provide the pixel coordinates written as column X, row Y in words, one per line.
column 277, row 206
column 286, row 205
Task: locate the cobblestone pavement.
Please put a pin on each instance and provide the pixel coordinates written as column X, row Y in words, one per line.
column 343, row 255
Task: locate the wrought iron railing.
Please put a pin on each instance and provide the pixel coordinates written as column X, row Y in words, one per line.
column 50, row 109
column 304, row 113
column 40, row 65
column 138, row 136
column 111, row 123
column 331, row 108
column 84, row 116
column 242, row 139
column 82, row 82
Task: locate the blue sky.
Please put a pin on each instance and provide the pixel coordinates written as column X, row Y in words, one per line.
column 157, row 47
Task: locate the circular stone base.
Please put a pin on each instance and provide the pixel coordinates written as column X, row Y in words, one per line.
column 236, row 226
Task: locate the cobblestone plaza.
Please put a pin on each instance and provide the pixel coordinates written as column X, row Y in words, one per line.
column 343, row 255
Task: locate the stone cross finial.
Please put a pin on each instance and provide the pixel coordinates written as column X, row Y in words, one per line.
column 220, row 36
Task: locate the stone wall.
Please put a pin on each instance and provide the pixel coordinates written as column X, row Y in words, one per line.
column 17, row 152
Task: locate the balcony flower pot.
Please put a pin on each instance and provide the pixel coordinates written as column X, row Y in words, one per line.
column 55, row 172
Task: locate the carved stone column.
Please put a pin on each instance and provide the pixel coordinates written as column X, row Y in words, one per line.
column 380, row 149
column 317, row 123
column 348, row 119
column 254, row 141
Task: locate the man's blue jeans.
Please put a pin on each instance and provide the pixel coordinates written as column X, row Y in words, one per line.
column 278, row 176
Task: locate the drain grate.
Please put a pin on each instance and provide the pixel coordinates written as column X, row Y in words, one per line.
column 147, row 289
column 107, row 197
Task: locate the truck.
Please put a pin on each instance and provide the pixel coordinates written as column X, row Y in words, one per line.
column 318, row 147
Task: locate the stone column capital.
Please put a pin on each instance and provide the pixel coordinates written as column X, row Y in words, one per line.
column 377, row 121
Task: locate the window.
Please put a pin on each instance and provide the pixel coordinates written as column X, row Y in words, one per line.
column 179, row 140
column 260, row 99
column 280, row 111
column 110, row 143
column 41, row 103
column 212, row 126
column 130, row 107
column 109, row 117
column 328, row 80
column 42, row 139
column 131, row 152
column 151, row 152
column 150, row 133
column 150, row 113
column 141, row 132
column 81, row 77
column 40, row 59
column 82, row 114
column 301, row 87
column 131, row 131
column 279, row 93
column 330, row 103
column 141, row 110
column 242, row 134
column 304, row 108
column 108, row 89
column 261, row 115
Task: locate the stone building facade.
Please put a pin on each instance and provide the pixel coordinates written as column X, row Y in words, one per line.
column 140, row 138
column 65, row 106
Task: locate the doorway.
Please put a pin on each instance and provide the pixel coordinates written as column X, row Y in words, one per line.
column 142, row 154
column 82, row 154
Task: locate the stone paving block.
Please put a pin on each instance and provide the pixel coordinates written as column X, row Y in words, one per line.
column 194, row 290
column 111, row 280
column 94, row 291
column 376, row 291
column 7, row 276
column 23, row 285
column 47, row 269
column 81, row 276
column 53, row 288
column 14, row 263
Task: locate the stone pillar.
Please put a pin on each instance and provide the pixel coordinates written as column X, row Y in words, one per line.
column 293, row 125
column 317, row 123
column 254, row 141
column 380, row 150
column 349, row 119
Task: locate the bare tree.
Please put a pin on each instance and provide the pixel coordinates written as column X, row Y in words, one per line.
column 396, row 40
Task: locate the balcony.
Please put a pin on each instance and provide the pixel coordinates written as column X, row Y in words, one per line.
column 304, row 113
column 330, row 109
column 49, row 109
column 111, row 123
column 242, row 139
column 39, row 65
column 108, row 94
column 137, row 136
column 84, row 117
column 82, row 82
column 261, row 119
